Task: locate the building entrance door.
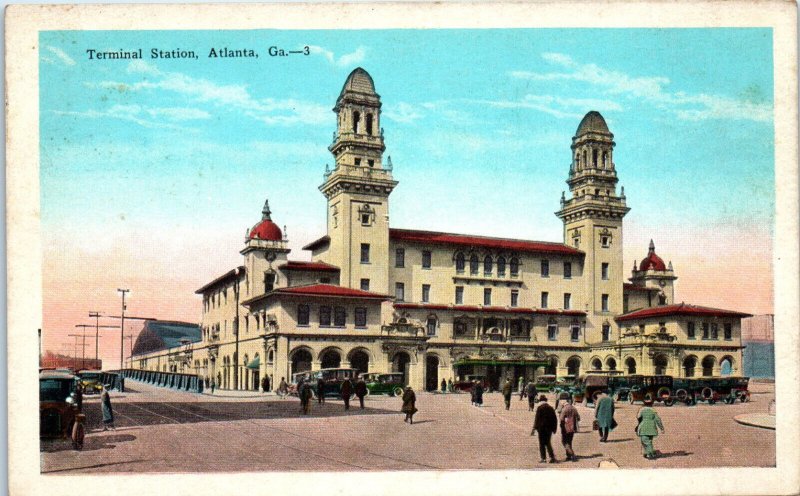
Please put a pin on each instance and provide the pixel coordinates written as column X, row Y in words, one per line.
column 400, row 363
column 431, row 373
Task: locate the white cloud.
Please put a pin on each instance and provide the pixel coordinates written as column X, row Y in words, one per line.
column 652, row 89
column 151, row 117
column 403, row 112
column 345, row 60
column 61, row 54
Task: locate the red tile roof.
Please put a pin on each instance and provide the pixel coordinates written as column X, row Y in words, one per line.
column 476, row 308
column 314, row 266
column 318, row 243
column 430, row 237
column 680, row 309
column 330, row 290
column 266, row 229
column 634, row 287
column 226, row 277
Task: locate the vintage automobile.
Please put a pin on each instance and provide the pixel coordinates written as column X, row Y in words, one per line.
column 91, row 381
column 588, row 387
column 545, row 383
column 332, row 378
column 565, row 384
column 469, row 381
column 682, row 390
column 740, row 388
column 391, row 384
column 729, row 389
column 657, row 388
column 60, row 404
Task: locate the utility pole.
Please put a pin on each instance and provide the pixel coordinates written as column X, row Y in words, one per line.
column 83, row 349
column 96, row 315
column 130, row 345
column 97, row 328
column 122, row 331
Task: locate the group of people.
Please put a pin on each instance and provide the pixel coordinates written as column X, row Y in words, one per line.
column 306, row 392
column 447, row 386
column 548, row 420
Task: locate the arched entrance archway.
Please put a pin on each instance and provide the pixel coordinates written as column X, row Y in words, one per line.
column 400, row 363
column 359, row 360
column 689, row 366
column 708, row 366
column 726, row 366
column 660, row 363
column 301, row 361
column 574, row 366
column 431, row 372
column 552, row 367
column 630, row 365
column 331, row 359
column 597, row 364
column 611, row 363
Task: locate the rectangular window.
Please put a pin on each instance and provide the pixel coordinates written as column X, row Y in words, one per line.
column 604, row 271
column 302, row 315
column 339, row 316
column 269, row 282
column 426, row 293
column 567, row 270
column 364, row 284
column 552, row 330
column 604, row 300
column 575, row 332
column 606, row 332
column 459, row 295
column 705, row 330
column 399, row 291
column 325, row 280
column 361, row 317
column 514, row 297
column 400, row 257
column 431, row 326
column 714, row 331
column 545, row 297
column 728, row 330
column 690, row 330
column 325, row 316
column 364, row 252
column 426, row 259
column 567, row 301
column 545, row 268
column 487, row 296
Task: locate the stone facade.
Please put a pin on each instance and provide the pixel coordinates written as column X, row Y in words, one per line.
column 446, row 306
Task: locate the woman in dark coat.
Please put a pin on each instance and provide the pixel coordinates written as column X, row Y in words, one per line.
column 361, row 391
column 346, row 391
column 409, row 399
column 108, row 412
column 478, row 394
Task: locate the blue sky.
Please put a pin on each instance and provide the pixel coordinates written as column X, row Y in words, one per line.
column 152, row 170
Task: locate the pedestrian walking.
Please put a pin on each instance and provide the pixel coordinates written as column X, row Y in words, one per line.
column 473, row 391
column 409, row 407
column 265, row 384
column 444, row 386
column 361, row 391
column 507, row 390
column 320, row 391
column 545, row 423
column 346, row 391
column 478, row 393
column 568, row 422
column 213, row 385
column 531, row 395
column 450, row 386
column 108, row 412
column 604, row 416
column 305, row 393
column 283, row 388
column 647, row 428
column 521, row 387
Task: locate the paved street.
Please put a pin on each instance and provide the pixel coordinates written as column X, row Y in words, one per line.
column 160, row 430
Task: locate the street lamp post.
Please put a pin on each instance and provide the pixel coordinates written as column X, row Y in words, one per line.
column 122, row 331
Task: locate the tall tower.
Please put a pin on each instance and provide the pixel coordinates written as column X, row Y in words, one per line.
column 265, row 247
column 358, row 188
column 652, row 273
column 592, row 219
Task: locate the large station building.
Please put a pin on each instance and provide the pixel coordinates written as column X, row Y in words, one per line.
column 437, row 305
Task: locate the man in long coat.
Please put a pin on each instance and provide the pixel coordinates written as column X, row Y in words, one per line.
column 108, row 412
column 265, row 384
column 649, row 423
column 545, row 423
column 305, row 393
column 521, row 387
column 320, row 391
column 409, row 404
column 604, row 415
column 531, row 395
column 346, row 392
column 361, row 390
column 478, row 394
column 507, row 389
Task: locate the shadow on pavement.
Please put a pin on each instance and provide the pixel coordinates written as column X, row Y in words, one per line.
column 620, row 440
column 90, row 443
column 587, row 457
column 672, row 453
column 423, row 421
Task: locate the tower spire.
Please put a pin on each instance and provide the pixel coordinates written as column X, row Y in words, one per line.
column 266, row 213
column 652, row 248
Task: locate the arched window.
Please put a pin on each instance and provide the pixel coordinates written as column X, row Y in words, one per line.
column 597, row 364
column 689, row 364
column 605, row 160
column 501, row 266
column 487, row 265
column 585, row 161
column 578, row 161
column 459, row 262
column 594, row 158
column 356, row 121
column 514, row 267
column 611, row 364
column 473, row 264
column 369, row 124
column 630, row 364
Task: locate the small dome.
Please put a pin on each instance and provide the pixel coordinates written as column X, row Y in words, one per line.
column 652, row 261
column 592, row 122
column 360, row 81
column 266, row 229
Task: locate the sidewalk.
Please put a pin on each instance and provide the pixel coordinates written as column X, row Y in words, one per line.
column 763, row 420
column 231, row 393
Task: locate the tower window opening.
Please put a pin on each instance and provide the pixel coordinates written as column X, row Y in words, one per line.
column 357, row 161
column 369, row 124
column 597, row 192
column 594, row 158
column 585, row 161
column 371, row 163
column 605, row 160
column 356, row 121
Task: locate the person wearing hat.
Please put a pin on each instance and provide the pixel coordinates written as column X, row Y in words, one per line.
column 531, row 395
column 604, row 416
column 507, row 390
column 409, row 399
column 521, row 387
column 568, row 421
column 478, row 393
column 346, row 390
column 108, row 412
column 545, row 423
column 647, row 429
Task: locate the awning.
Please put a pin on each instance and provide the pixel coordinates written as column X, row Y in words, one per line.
column 255, row 364
column 535, row 363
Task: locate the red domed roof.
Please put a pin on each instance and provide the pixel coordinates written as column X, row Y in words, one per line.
column 266, row 229
column 652, row 261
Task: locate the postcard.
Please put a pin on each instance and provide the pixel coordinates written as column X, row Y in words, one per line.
column 381, row 248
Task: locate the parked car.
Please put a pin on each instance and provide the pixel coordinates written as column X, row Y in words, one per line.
column 91, row 381
column 391, row 384
column 657, row 388
column 333, row 379
column 565, row 384
column 60, row 407
column 589, row 387
column 467, row 383
column 545, row 383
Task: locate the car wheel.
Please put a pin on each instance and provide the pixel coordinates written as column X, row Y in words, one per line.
column 398, row 391
column 669, row 402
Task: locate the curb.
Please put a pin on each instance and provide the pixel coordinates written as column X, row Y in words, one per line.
column 763, row 421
